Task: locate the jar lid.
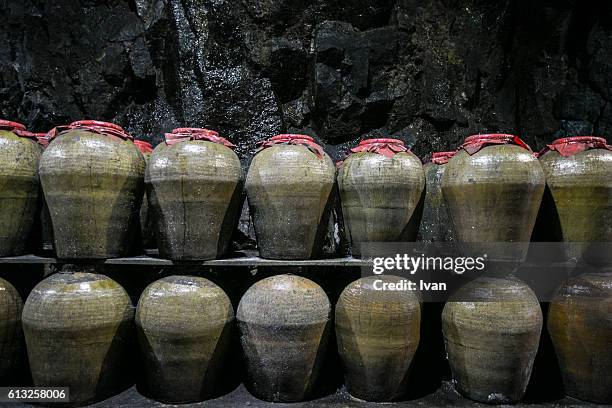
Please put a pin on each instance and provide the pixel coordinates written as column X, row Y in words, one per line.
column 569, row 146
column 144, row 146
column 10, row 125
column 383, row 146
column 185, row 134
column 441, row 157
column 293, row 139
column 474, row 143
column 94, row 126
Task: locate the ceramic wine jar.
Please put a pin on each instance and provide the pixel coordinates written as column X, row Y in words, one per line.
column 288, row 186
column 491, row 331
column 78, row 327
column 92, row 176
column 381, row 183
column 194, row 184
column 11, row 335
column 46, row 229
column 184, row 326
column 284, row 323
column 580, row 325
column 436, row 223
column 493, row 187
column 377, row 333
column 579, row 175
column 19, row 187
column 147, row 236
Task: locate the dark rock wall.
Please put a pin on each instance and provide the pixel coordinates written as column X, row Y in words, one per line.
column 429, row 72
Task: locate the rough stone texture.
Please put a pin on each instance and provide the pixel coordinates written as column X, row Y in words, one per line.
column 427, row 72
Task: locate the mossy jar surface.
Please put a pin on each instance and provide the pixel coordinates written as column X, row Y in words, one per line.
column 579, row 175
column 381, row 183
column 19, row 188
column 436, row 224
column 491, row 331
column 580, row 325
column 184, row 327
column 378, row 333
column 288, row 185
column 147, row 234
column 78, row 327
column 11, row 334
column 284, row 324
column 92, row 176
column 194, row 184
column 493, row 187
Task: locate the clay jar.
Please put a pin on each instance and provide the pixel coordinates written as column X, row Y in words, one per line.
column 184, row 327
column 436, row 223
column 46, row 229
column 92, row 176
column 377, row 333
column 579, row 175
column 288, row 186
column 147, row 236
column 19, row 155
column 493, row 187
column 380, row 184
column 194, row 183
column 77, row 328
column 581, row 330
column 11, row 335
column 284, row 322
column 491, row 331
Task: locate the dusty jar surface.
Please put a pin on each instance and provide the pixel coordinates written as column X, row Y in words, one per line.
column 184, row 326
column 284, row 324
column 378, row 332
column 194, row 188
column 492, row 338
column 78, row 328
column 19, row 189
column 288, row 188
column 11, row 334
column 93, row 185
column 580, row 325
column 493, row 187
column 380, row 189
column 579, row 176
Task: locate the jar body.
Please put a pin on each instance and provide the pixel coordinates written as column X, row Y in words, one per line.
column 436, row 223
column 184, row 326
column 19, row 192
column 78, row 328
column 93, row 185
column 581, row 189
column 491, row 337
column 580, row 325
column 288, row 189
column 11, row 334
column 284, row 325
column 380, row 196
column 494, row 196
column 194, row 191
column 378, row 333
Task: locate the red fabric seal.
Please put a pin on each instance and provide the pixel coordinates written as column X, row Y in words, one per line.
column 11, row 126
column 41, row 138
column 473, row 144
column 94, row 126
column 569, row 146
column 386, row 147
column 144, row 146
column 291, row 139
column 441, row 157
column 184, row 134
